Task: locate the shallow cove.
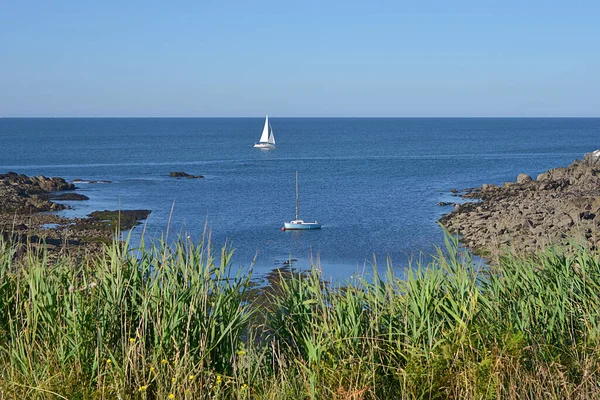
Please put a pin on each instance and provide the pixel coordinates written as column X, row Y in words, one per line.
column 373, row 183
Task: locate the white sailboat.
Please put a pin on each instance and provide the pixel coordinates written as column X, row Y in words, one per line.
column 267, row 140
column 299, row 224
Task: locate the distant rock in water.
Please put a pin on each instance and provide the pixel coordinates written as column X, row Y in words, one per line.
column 184, row 175
column 527, row 215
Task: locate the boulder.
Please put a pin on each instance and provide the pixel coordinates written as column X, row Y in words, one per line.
column 180, row 174
column 592, row 159
column 523, row 178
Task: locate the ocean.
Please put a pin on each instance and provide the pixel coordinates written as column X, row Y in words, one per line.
column 373, row 183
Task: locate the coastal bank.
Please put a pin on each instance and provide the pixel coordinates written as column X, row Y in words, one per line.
column 561, row 205
column 28, row 214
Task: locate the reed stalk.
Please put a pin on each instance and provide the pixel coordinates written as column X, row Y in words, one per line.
column 177, row 321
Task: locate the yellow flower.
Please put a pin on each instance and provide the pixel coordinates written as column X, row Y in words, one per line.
column 191, row 377
column 218, row 378
column 143, row 388
column 241, row 352
column 152, row 369
column 174, row 380
column 171, row 396
column 244, row 386
column 163, row 361
column 132, row 340
column 108, row 361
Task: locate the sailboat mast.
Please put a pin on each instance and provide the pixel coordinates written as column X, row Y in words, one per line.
column 296, row 195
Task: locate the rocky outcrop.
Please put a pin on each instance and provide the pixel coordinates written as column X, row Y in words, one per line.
column 39, row 183
column 23, row 194
column 24, row 201
column 561, row 204
column 184, row 175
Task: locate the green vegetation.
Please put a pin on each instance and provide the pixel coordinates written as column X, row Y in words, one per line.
column 166, row 322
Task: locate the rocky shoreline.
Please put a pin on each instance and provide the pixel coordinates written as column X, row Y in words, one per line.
column 528, row 215
column 26, row 215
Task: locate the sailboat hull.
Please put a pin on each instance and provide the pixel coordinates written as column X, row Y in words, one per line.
column 301, row 225
column 264, row 146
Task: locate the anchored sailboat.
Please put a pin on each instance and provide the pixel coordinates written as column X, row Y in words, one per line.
column 298, row 223
column 267, row 140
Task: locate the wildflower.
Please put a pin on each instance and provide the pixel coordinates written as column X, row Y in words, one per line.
column 241, row 352
column 132, row 340
column 163, row 361
column 191, row 377
column 171, row 396
column 108, row 361
column 152, row 369
column 174, row 380
column 244, row 386
column 143, row 388
column 219, row 379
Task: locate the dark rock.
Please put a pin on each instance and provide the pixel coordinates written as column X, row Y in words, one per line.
column 587, row 215
column 184, row 175
column 445, row 203
column 123, row 219
column 68, row 196
column 39, row 183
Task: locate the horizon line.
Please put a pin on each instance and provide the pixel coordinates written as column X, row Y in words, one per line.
column 284, row 116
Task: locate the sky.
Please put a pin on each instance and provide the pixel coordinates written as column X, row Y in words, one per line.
column 307, row 58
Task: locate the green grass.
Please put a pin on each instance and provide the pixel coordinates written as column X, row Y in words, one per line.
column 169, row 321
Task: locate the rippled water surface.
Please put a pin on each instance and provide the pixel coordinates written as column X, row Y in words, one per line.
column 374, row 184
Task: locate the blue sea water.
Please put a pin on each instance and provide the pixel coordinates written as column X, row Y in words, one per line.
column 373, row 183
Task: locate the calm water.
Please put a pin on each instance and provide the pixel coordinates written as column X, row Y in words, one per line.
column 374, row 184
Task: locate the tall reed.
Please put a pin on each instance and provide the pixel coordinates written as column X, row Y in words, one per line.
column 157, row 319
column 175, row 321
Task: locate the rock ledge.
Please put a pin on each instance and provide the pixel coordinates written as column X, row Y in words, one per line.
column 528, row 215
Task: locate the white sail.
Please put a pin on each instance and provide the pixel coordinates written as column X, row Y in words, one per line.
column 271, row 136
column 267, row 139
column 264, row 138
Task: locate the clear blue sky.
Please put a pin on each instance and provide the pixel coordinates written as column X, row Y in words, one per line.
column 301, row 58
